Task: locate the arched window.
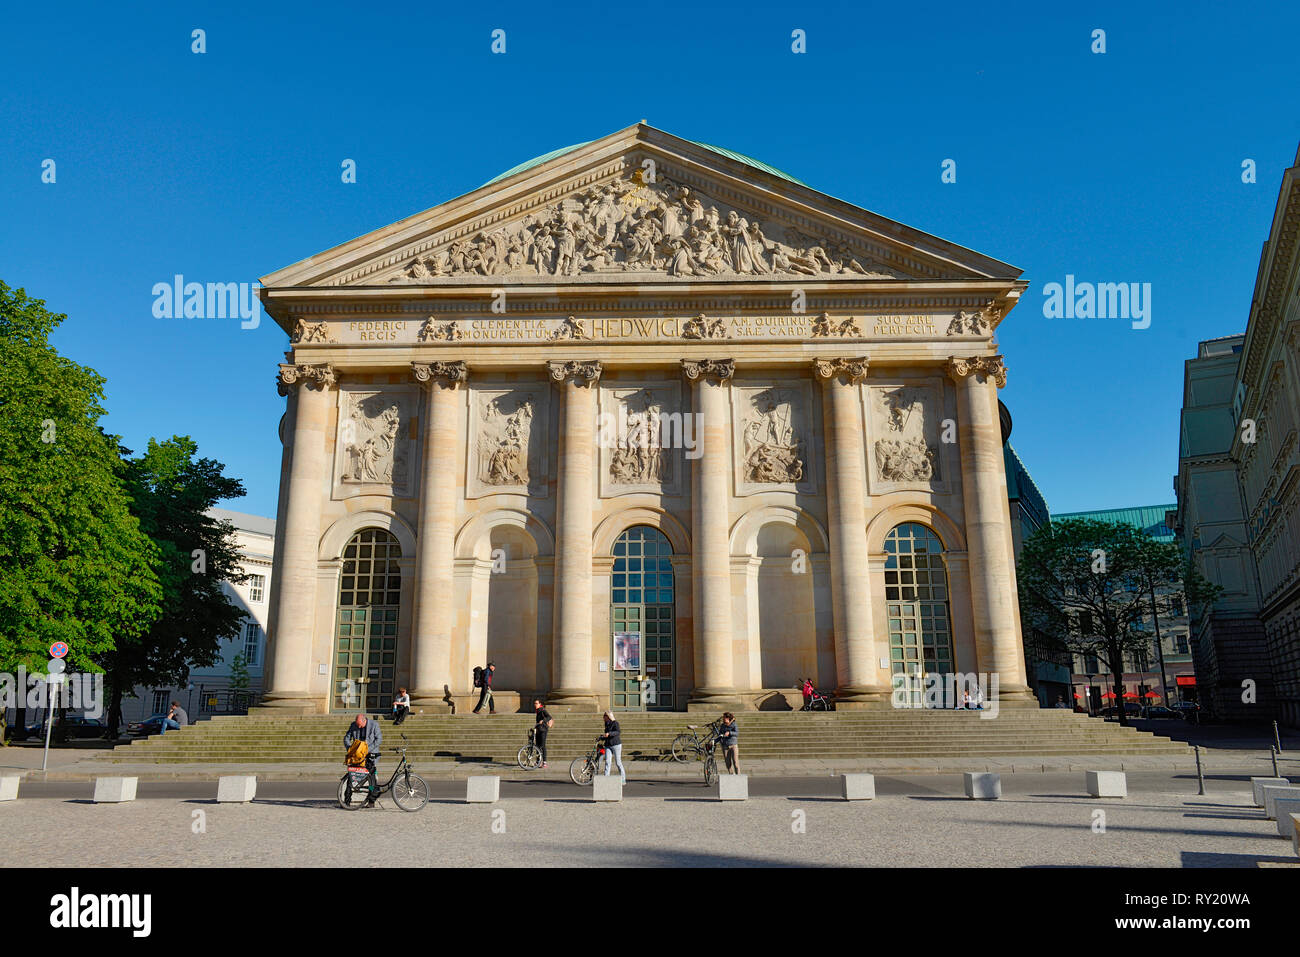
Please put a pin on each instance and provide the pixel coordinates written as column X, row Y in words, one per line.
column 642, row 622
column 916, row 597
column 370, row 595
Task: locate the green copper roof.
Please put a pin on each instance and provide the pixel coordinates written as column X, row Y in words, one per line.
column 1149, row 518
column 730, row 154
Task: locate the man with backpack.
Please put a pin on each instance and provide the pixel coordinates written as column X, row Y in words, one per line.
column 544, row 724
column 367, row 735
column 483, row 679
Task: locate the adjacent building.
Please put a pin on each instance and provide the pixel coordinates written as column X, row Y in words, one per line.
column 650, row 425
column 221, row 689
column 1166, row 668
column 1234, row 673
column 1265, row 443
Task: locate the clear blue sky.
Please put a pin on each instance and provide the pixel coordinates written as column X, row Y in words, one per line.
column 225, row 166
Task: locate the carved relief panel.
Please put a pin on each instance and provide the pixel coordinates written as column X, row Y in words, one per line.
column 773, row 436
column 507, row 436
column 905, row 423
column 643, row 433
column 375, row 449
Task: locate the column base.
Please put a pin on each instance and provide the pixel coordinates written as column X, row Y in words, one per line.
column 863, row 698
column 430, row 701
column 289, row 702
column 569, row 700
column 716, row 699
column 1018, row 699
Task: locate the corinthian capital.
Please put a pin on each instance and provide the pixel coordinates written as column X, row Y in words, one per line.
column 979, row 365
column 320, row 375
column 715, row 370
column 834, row 369
column 444, row 373
column 584, row 373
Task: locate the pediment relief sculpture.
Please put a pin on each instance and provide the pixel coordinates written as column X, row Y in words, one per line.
column 628, row 225
column 568, row 328
column 825, row 326
column 701, row 327
column 433, row 330
column 903, row 453
column 639, row 456
column 304, row 331
column 978, row 323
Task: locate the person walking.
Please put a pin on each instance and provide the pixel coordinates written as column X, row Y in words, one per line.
column 176, row 719
column 544, row 724
column 363, row 729
column 486, row 694
column 613, row 737
column 401, row 706
column 807, row 689
column 729, row 738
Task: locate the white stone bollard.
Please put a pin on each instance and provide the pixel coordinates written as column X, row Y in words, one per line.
column 114, row 790
column 1257, row 784
column 858, row 787
column 482, row 789
column 1285, row 808
column 236, row 788
column 733, row 787
column 1295, row 833
column 606, row 788
column 1272, row 793
column 982, row 786
column 1106, row 784
column 9, row 787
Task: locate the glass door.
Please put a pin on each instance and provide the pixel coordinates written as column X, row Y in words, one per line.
column 642, row 623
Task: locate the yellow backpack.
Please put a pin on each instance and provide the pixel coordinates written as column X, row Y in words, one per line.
column 357, row 754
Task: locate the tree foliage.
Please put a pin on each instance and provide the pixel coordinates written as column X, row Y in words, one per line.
column 75, row 565
column 172, row 491
column 1088, row 585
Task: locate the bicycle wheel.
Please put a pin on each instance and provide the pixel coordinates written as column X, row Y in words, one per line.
column 530, row 757
column 582, row 770
column 410, row 793
column 349, row 799
column 710, row 771
column 686, row 747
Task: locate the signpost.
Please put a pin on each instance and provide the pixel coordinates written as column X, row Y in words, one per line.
column 58, row 651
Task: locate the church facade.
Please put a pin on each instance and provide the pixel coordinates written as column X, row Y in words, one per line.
column 649, row 425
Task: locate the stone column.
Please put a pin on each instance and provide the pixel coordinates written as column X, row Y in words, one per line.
column 715, row 685
column 295, row 607
column 857, row 669
column 988, row 544
column 576, row 493
column 435, row 612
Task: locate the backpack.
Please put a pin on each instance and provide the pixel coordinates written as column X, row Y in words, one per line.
column 478, row 677
column 357, row 754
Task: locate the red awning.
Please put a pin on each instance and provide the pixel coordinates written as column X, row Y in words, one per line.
column 1151, row 694
column 1185, row 680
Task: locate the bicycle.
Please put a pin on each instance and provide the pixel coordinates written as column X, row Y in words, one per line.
column 710, row 763
column 689, row 744
column 411, row 793
column 584, row 767
column 530, row 755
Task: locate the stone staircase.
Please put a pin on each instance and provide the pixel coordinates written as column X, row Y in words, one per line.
column 265, row 739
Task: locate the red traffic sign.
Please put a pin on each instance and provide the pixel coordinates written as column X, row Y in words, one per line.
column 59, row 649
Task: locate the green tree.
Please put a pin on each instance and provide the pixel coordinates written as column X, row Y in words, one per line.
column 1087, row 585
column 75, row 566
column 172, row 491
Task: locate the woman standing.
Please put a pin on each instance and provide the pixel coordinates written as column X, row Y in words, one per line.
column 613, row 745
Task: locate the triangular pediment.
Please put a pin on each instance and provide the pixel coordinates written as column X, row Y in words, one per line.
column 640, row 206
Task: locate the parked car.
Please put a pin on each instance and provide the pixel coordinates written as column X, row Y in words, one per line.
column 1160, row 711
column 1188, row 710
column 1132, row 710
column 150, row 725
column 78, row 727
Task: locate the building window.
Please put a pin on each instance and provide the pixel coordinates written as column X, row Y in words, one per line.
column 1085, row 623
column 256, row 587
column 916, row 593
column 1092, row 664
column 370, row 596
column 161, row 701
column 252, row 643
column 1180, row 644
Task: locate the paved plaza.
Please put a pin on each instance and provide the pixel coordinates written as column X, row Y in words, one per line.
column 1042, row 820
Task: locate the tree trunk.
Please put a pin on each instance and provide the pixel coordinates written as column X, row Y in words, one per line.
column 1117, row 678
column 20, row 719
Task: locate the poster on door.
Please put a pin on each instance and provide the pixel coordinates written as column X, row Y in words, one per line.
column 627, row 651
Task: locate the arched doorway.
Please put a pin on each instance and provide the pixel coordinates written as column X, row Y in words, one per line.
column 643, row 644
column 365, row 642
column 916, row 597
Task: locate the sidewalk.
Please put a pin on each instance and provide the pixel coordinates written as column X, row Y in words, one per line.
column 1245, row 763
